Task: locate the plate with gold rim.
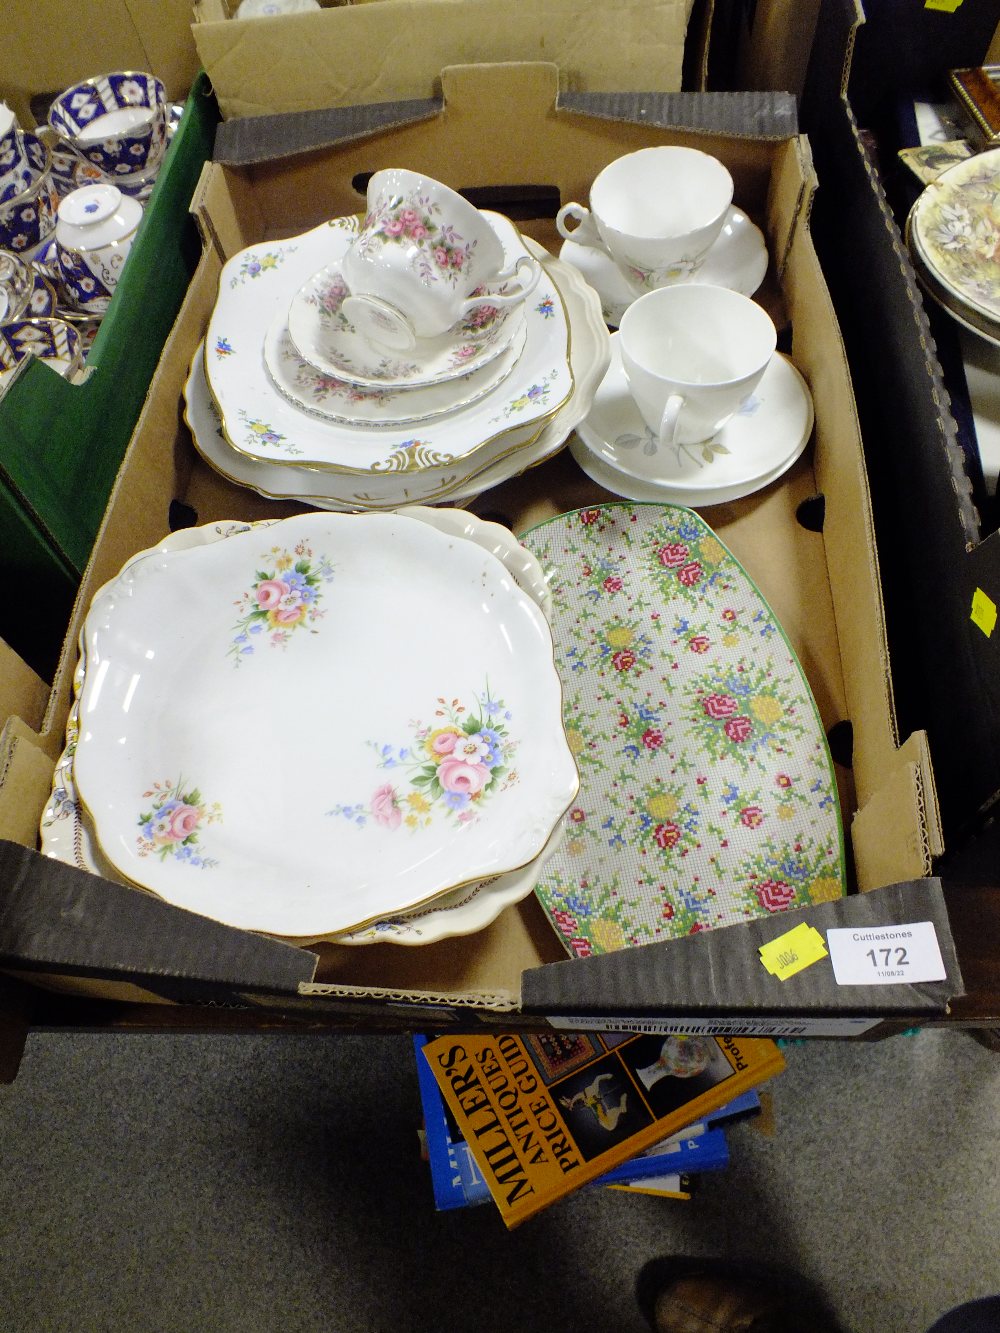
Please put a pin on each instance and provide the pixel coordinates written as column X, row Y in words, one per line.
column 213, row 669
column 65, row 832
column 260, row 423
column 334, row 399
column 323, row 336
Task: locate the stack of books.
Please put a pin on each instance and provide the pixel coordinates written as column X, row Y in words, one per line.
column 525, row 1119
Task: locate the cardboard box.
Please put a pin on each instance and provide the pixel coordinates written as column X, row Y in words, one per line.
column 938, row 543
column 61, row 444
column 50, row 44
column 807, row 541
column 390, row 50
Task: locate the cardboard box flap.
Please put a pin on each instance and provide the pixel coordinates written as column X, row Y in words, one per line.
column 25, row 769
column 753, row 115
column 42, row 918
column 395, row 49
column 721, row 971
column 766, row 116
column 22, row 691
column 249, row 139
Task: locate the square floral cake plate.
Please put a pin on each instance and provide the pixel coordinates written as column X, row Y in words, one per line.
column 258, row 422
column 953, row 231
column 707, row 793
column 65, row 830
column 275, row 730
column 589, row 353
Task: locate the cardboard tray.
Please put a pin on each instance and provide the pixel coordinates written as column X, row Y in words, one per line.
column 807, row 541
column 937, row 545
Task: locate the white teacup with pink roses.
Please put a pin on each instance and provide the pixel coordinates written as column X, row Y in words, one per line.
column 424, row 261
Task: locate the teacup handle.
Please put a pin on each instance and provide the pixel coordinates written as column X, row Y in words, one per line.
column 585, row 232
column 510, row 274
column 668, row 422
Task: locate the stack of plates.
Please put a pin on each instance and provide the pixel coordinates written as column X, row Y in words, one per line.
column 328, row 727
column 287, row 398
column 953, row 232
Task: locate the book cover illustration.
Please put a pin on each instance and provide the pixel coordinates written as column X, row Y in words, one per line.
column 544, row 1114
column 457, row 1181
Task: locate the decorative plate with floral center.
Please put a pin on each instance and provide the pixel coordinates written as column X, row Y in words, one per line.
column 513, row 454
column 334, row 399
column 321, row 723
column 327, row 340
column 707, row 794
column 954, row 236
column 259, row 282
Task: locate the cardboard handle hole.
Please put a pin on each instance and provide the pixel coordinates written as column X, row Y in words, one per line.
column 840, row 739
column 181, row 515
column 811, row 513
column 518, row 202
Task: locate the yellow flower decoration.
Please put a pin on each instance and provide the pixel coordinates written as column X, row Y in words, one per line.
column 576, row 846
column 619, row 636
column 574, row 740
column 608, row 935
column 786, row 812
column 418, row 802
column 766, row 708
column 283, row 562
column 825, row 890
column 711, row 551
column 730, row 640
column 662, row 806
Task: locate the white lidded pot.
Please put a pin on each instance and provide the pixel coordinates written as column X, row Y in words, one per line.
column 95, row 228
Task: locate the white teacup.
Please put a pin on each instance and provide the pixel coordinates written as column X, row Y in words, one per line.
column 421, row 260
column 656, row 213
column 692, row 354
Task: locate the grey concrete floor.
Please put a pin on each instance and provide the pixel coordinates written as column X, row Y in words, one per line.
column 272, row 1184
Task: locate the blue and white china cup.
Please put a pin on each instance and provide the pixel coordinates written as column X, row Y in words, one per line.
column 28, row 219
column 50, row 340
column 117, row 122
column 94, row 233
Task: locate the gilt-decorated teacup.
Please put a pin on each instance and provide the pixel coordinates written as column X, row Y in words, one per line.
column 656, row 213
column 94, row 233
column 420, row 262
column 117, row 122
column 17, row 285
column 692, row 354
column 50, row 340
column 29, row 218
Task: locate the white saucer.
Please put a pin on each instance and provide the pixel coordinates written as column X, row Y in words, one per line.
column 360, row 405
column 617, row 449
column 325, row 338
column 737, row 260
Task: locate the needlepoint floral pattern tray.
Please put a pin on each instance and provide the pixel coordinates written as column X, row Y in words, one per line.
column 707, row 794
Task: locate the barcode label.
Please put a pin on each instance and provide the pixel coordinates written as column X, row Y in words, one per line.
column 719, row 1027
